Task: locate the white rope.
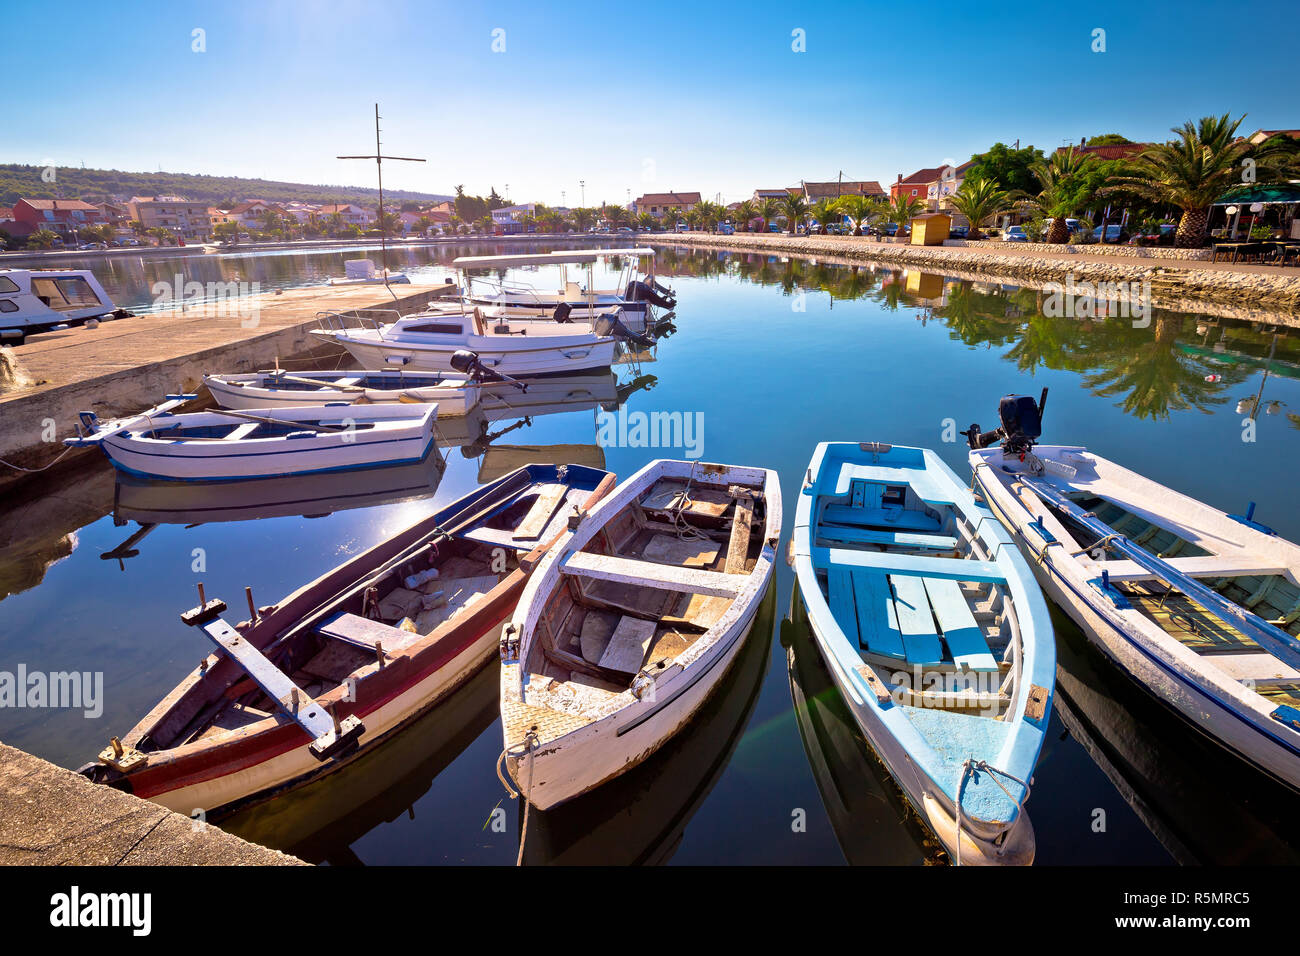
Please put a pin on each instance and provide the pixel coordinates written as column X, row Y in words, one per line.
column 969, row 768
column 529, row 743
column 32, row 471
column 684, row 529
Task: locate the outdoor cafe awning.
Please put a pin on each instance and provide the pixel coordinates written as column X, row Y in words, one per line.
column 1246, row 195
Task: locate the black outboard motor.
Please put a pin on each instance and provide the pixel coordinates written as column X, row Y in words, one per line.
column 562, row 312
column 1022, row 425
column 467, row 363
column 661, row 289
column 641, row 292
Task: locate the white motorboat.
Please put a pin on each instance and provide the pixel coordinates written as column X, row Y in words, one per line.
column 429, row 340
column 32, row 301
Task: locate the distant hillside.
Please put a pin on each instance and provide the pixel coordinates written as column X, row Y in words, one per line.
column 96, row 185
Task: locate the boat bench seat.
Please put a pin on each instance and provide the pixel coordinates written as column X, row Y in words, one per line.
column 243, row 431
column 363, row 633
column 880, row 518
column 900, row 539
column 904, row 616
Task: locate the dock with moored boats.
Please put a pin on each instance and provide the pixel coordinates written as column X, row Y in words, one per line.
column 122, row 366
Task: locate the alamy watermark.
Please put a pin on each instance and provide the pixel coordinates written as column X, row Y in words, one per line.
column 626, row 429
column 1098, row 300
column 82, row 690
column 211, row 299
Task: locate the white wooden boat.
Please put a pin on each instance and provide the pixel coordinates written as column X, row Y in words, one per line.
column 261, row 442
column 1199, row 607
column 630, row 622
column 428, row 340
column 37, row 301
column 363, row 272
column 454, row 394
column 933, row 631
column 339, row 666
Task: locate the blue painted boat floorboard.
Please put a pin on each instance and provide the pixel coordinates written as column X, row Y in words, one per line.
column 915, row 622
column 963, row 636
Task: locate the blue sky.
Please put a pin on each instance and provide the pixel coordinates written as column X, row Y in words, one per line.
column 628, row 97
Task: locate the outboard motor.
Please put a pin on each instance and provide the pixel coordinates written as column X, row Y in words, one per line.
column 610, row 325
column 1022, row 425
column 562, row 312
column 641, row 292
column 662, row 290
column 468, row 363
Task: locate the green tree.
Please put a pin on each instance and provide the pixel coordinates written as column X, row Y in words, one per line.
column 744, row 214
column 861, row 210
column 43, row 239
column 769, row 209
column 1063, row 189
column 795, row 208
column 979, row 200
column 1196, row 168
column 826, row 213
column 1009, row 168
column 902, row 209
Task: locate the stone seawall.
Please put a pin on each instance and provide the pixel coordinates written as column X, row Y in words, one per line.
column 1184, row 282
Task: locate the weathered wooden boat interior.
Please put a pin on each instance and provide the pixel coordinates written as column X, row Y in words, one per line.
column 375, row 614
column 1272, row 595
column 650, row 583
column 941, row 636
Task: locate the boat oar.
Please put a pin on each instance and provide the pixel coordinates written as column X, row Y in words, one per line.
column 280, row 421
column 314, row 381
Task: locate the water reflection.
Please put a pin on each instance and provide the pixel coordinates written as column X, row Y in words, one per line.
column 873, row 822
column 1152, row 368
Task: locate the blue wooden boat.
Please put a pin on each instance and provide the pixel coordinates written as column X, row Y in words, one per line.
column 936, row 634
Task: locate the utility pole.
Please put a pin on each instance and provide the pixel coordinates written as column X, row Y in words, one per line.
column 379, row 158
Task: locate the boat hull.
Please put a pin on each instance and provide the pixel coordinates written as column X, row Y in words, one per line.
column 1243, row 732
column 602, row 750
column 451, row 402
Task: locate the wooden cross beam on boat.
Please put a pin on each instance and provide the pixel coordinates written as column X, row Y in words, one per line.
column 328, row 738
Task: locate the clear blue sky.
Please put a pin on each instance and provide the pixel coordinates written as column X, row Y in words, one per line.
column 630, row 96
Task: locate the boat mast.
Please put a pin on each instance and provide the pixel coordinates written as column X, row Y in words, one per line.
column 379, row 158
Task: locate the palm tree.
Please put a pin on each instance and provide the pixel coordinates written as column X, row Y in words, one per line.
column 1194, row 170
column 745, row 214
column 584, row 218
column 769, row 209
column 647, row 222
column 826, row 213
column 1060, row 196
column 902, row 209
column 796, row 208
column 860, row 210
column 979, row 199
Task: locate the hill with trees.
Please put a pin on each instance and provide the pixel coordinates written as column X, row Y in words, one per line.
column 97, row 185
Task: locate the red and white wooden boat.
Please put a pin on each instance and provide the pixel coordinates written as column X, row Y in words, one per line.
column 351, row 658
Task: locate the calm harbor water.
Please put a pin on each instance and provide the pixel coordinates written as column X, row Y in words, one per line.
column 774, row 355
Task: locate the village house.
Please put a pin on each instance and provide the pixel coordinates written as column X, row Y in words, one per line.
column 251, row 214
column 61, row 216
column 351, row 214
column 187, row 219
column 659, row 204
column 816, row 192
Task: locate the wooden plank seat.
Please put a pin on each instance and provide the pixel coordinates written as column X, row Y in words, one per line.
column 966, row 643
column 915, row 622
column 909, row 565
column 363, row 633
column 648, row 574
column 898, row 539
column 880, row 518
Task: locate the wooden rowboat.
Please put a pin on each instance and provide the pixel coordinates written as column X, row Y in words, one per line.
column 1199, row 607
column 261, row 442
column 934, row 632
column 453, row 393
column 351, row 658
column 631, row 621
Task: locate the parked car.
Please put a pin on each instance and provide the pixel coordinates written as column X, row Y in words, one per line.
column 682, row 227
column 959, row 232
column 775, row 227
column 1015, row 234
column 1114, row 233
column 726, row 228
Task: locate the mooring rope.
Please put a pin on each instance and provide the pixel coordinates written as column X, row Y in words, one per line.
column 32, row 471
column 969, row 768
column 529, row 743
column 684, row 529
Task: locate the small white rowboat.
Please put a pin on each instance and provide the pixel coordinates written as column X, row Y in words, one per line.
column 453, row 393
column 260, row 443
column 630, row 622
column 932, row 629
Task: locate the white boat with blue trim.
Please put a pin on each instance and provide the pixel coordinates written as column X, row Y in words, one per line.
column 1199, row 607
column 933, row 631
column 630, row 622
column 262, row 442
